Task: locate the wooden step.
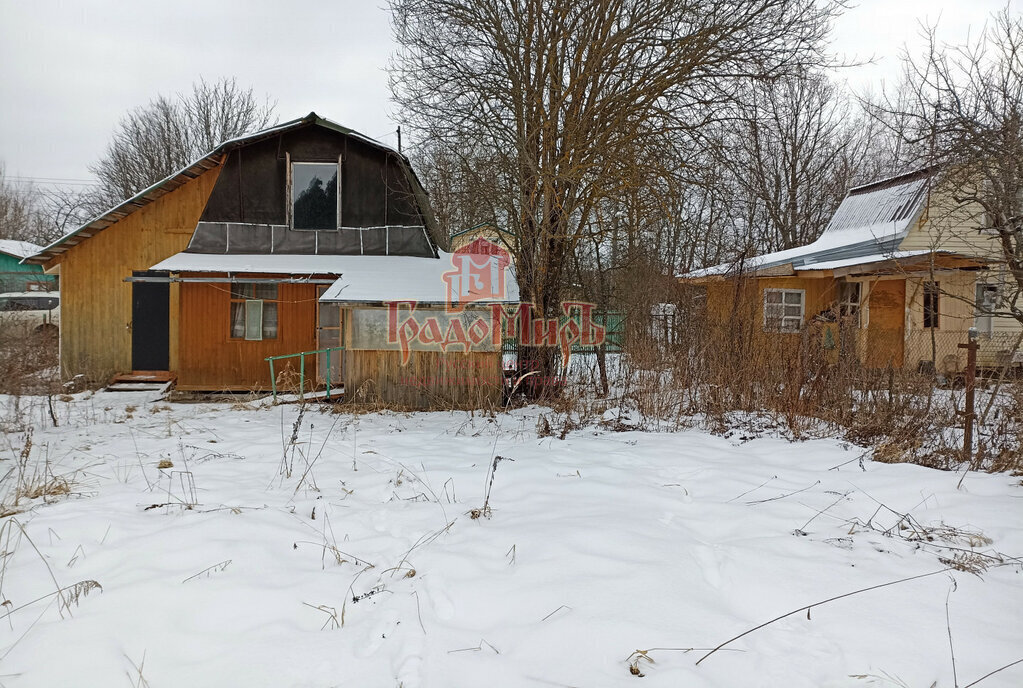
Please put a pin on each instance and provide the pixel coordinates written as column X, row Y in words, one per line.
column 142, row 381
column 145, row 376
column 137, row 386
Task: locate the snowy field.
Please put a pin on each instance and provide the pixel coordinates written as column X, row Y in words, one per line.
column 360, row 554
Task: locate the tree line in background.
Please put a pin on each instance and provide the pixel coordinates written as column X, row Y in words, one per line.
column 149, row 143
column 622, row 142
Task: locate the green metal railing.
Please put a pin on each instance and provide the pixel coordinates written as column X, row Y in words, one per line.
column 301, row 368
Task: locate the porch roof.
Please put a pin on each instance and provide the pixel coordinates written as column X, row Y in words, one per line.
column 898, row 261
column 360, row 279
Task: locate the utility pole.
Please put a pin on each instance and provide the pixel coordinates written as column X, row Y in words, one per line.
column 399, row 138
column 971, row 382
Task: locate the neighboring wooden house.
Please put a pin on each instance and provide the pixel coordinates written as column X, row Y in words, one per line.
column 212, row 270
column 899, row 273
column 485, row 230
column 16, row 276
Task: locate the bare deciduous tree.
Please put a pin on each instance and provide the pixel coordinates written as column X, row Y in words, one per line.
column 17, row 209
column 961, row 109
column 156, row 140
column 786, row 140
column 567, row 100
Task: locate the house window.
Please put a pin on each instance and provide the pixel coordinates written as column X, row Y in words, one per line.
column 314, row 194
column 254, row 311
column 987, row 301
column 849, row 299
column 932, row 300
column 783, row 310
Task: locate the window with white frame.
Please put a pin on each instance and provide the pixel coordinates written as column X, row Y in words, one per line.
column 254, row 311
column 849, row 300
column 784, row 309
column 987, row 301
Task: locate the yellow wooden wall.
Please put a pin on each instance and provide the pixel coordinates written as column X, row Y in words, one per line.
column 885, row 303
column 723, row 298
column 957, row 312
column 949, row 226
column 96, row 301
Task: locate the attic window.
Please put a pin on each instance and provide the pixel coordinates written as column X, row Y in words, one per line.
column 314, row 195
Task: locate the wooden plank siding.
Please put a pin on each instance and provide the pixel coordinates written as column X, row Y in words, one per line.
column 95, row 304
column 725, row 300
column 211, row 360
column 430, row 380
column 886, row 326
column 949, row 226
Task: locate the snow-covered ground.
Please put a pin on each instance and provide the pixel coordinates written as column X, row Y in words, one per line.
column 352, row 557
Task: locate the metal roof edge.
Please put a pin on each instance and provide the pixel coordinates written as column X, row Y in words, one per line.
column 894, row 180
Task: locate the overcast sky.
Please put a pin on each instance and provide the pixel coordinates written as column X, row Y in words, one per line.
column 69, row 70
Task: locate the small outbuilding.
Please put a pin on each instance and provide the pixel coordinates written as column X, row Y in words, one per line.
column 16, row 276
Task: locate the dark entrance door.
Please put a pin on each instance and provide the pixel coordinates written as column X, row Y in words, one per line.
column 150, row 323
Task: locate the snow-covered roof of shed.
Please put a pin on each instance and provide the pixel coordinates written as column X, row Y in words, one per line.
column 361, row 279
column 18, row 249
column 413, row 279
column 873, row 219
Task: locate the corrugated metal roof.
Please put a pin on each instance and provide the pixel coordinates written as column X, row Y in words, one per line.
column 872, row 219
column 212, row 159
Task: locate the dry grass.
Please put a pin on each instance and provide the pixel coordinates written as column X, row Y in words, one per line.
column 32, row 477
column 29, row 365
column 736, row 380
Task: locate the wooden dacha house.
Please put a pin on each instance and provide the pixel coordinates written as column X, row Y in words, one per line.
column 205, row 275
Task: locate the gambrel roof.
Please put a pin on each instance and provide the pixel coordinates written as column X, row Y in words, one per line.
column 214, row 158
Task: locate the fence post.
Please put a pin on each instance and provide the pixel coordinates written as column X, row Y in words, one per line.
column 971, row 380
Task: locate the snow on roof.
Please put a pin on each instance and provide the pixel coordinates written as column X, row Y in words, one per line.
column 361, row 279
column 872, row 219
column 861, row 260
column 19, row 249
column 420, row 279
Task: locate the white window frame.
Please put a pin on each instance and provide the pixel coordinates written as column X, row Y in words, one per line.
column 852, row 309
column 802, row 310
column 253, row 313
column 985, row 322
